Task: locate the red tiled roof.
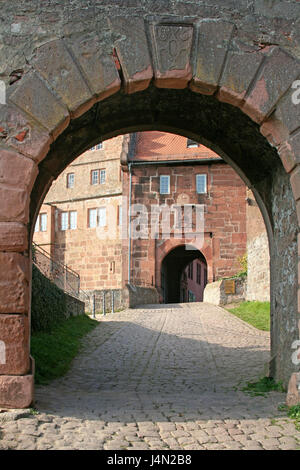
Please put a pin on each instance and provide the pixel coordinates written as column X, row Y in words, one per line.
column 152, row 145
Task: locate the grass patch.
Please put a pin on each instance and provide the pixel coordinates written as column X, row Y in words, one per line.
column 263, row 386
column 256, row 314
column 54, row 351
column 294, row 413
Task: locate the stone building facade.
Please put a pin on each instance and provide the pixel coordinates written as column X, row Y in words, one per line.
column 83, row 222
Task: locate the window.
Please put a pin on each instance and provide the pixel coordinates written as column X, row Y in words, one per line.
column 98, row 176
column 191, row 143
column 97, row 147
column 201, row 184
column 164, row 184
column 70, row 180
column 97, row 217
column 64, row 220
column 95, row 177
column 198, row 273
column 41, row 223
column 92, row 218
column 73, row 220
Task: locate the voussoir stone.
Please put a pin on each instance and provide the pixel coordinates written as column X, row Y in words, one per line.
column 172, row 53
column 19, row 131
column 56, row 65
column 97, row 65
column 36, row 99
column 16, row 170
column 214, row 38
column 277, row 74
column 132, row 51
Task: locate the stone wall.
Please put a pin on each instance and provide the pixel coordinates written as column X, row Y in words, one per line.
column 258, row 257
column 216, row 293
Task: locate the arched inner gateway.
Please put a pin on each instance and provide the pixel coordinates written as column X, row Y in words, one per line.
column 177, row 278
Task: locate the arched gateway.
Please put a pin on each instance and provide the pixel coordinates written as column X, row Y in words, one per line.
column 120, row 66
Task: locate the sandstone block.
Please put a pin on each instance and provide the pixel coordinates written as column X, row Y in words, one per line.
column 54, row 62
column 14, row 283
column 133, row 53
column 34, row 142
column 33, row 97
column 14, row 204
column 13, row 236
column 172, row 53
column 279, row 71
column 16, row 170
column 98, row 66
column 240, row 67
column 16, row 391
column 14, row 338
column 214, row 37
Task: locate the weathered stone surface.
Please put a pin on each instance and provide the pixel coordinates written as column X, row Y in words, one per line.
column 274, row 131
column 16, row 392
column 33, row 97
column 14, row 206
column 213, row 41
column 295, row 182
column 276, row 76
column 22, row 133
column 293, row 396
column 14, row 280
column 13, row 236
column 241, row 64
column 287, row 111
column 17, row 170
column 132, row 51
column 14, row 335
column 172, row 53
column 55, row 64
column 98, row 66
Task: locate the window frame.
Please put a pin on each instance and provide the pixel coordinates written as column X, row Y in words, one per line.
column 204, row 175
column 160, row 184
column 68, row 182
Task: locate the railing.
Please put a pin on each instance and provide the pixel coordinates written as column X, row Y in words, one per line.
column 63, row 276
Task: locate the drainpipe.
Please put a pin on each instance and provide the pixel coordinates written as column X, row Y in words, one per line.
column 129, row 221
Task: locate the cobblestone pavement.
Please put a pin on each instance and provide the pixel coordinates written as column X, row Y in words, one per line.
column 158, row 377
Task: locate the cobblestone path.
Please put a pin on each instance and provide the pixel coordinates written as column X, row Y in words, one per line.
column 158, row 377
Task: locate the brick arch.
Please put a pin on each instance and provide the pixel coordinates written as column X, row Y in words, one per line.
column 69, row 84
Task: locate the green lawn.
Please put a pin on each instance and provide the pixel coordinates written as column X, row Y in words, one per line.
column 53, row 351
column 255, row 313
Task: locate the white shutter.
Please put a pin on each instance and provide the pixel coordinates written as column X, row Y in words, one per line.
column 93, row 218
column 102, row 216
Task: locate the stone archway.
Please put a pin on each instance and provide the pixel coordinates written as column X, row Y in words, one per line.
column 172, row 268
column 184, row 74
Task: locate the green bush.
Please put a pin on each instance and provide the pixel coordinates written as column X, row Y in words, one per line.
column 48, row 303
